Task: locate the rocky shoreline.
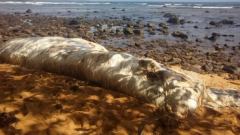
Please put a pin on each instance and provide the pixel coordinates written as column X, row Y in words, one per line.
column 135, row 38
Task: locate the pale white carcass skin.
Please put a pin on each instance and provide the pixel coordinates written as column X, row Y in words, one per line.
column 142, row 78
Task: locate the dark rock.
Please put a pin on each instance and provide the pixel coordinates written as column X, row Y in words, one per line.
column 138, row 32
column 169, row 15
column 198, row 40
column 130, row 24
column 207, row 67
column 128, row 31
column 214, row 36
column 124, row 18
column 165, row 31
column 196, row 27
column 29, row 11
column 95, row 11
column 182, row 21
column 226, row 45
column 151, row 25
column 219, row 48
column 27, row 31
column 207, row 12
column 175, row 61
column 105, row 37
column 215, row 23
column 118, row 30
column 207, row 27
column 139, row 25
column 224, row 35
column 211, row 52
column 228, row 40
column 225, row 21
column 162, row 24
column 152, row 33
column 138, row 43
column 193, row 60
column 195, row 68
column 235, row 48
column 216, row 69
column 15, row 30
column 112, row 31
column 179, row 34
column 174, row 20
column 231, row 69
column 73, row 22
column 17, row 13
column 231, row 59
column 148, row 54
column 107, row 30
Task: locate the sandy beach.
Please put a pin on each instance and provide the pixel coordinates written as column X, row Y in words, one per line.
column 42, row 103
column 36, row 102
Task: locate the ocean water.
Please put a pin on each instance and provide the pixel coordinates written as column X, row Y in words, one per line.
column 195, row 12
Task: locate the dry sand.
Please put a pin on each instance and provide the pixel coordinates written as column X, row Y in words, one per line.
column 42, row 103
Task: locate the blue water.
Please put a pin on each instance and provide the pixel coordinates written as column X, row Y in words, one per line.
column 77, row 3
